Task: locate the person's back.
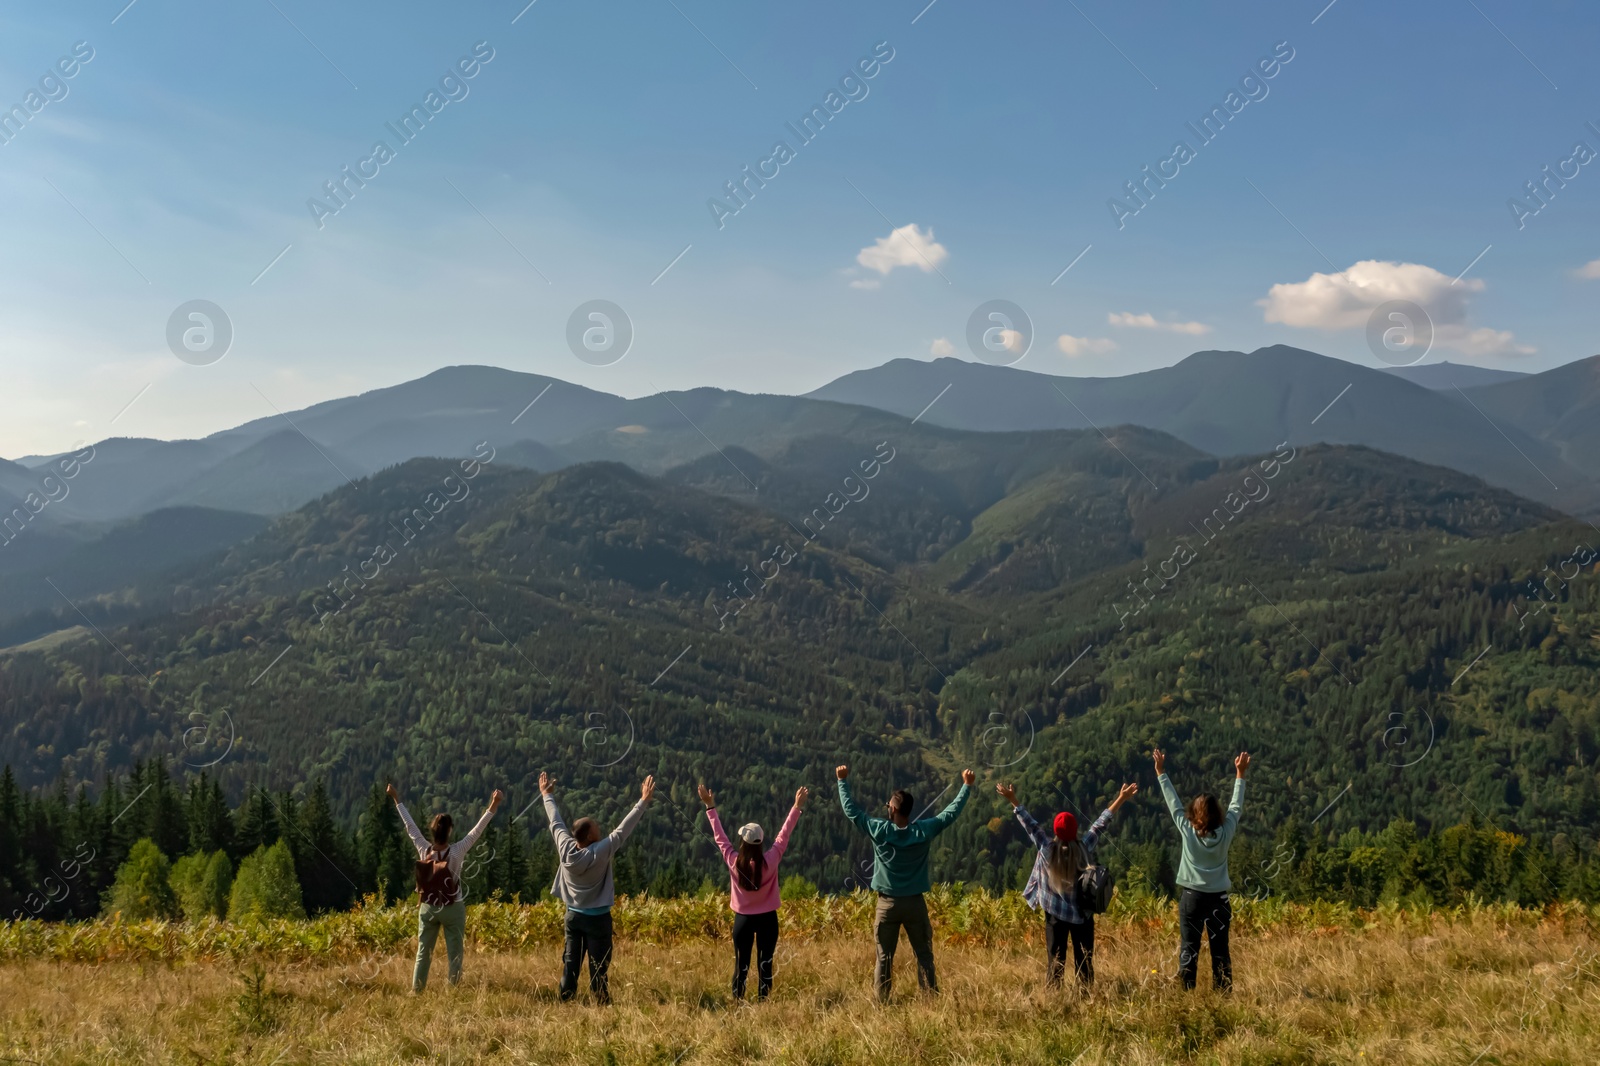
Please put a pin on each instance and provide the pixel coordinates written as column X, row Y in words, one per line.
column 900, row 876
column 1205, row 834
column 585, row 883
column 754, row 894
column 443, row 906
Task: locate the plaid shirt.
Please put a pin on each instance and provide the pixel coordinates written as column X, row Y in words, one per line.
column 1038, row 892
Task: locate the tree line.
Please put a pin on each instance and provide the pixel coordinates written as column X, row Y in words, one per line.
column 148, row 846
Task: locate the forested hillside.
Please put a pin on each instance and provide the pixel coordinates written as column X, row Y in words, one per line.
column 1043, row 607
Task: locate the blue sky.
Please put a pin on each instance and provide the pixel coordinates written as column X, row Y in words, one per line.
column 579, row 164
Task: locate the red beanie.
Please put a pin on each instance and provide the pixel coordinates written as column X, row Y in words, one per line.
column 1067, row 826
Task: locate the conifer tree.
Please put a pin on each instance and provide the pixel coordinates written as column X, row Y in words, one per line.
column 143, row 887
column 266, row 886
column 385, row 852
column 322, row 855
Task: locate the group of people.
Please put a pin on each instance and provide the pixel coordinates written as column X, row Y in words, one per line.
column 1067, row 882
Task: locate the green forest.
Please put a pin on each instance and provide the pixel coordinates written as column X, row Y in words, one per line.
column 1410, row 656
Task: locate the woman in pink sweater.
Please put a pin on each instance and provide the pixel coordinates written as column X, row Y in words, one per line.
column 754, row 874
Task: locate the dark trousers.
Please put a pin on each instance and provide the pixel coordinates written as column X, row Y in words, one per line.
column 911, row 914
column 1211, row 912
column 761, row 930
column 1056, row 935
column 587, row 934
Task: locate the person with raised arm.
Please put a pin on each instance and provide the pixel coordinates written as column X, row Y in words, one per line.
column 755, row 898
column 443, row 906
column 1053, row 884
column 585, row 884
column 900, row 875
column 1206, row 833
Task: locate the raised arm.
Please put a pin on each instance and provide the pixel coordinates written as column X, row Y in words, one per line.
column 1124, row 794
column 781, row 843
column 724, row 845
column 619, row 836
column 941, row 821
column 418, row 841
column 1230, row 821
column 483, row 822
column 1035, row 832
column 566, row 847
column 848, row 803
column 1168, row 793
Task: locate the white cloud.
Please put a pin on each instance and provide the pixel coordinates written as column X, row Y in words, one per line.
column 1345, row 300
column 1011, row 340
column 906, row 246
column 866, row 283
column 1149, row 321
column 1073, row 347
column 942, row 346
column 1590, row 270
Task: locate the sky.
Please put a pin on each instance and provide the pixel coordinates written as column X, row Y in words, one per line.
column 1370, row 152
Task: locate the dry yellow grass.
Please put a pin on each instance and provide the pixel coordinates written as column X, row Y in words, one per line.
column 1480, row 989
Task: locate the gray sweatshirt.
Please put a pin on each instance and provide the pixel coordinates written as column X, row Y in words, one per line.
column 583, row 875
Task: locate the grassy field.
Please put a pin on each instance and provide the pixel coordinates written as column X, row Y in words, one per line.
column 1479, row 985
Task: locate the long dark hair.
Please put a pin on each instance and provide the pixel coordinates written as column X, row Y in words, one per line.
column 750, row 867
column 1205, row 814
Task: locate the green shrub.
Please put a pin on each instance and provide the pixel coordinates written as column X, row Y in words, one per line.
column 796, row 887
column 143, row 888
column 203, row 884
column 266, row 886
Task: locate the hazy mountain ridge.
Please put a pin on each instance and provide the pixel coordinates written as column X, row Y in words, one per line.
column 1223, row 403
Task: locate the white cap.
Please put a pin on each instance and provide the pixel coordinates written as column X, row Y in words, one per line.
column 751, row 833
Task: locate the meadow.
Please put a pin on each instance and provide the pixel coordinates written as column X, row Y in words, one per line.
column 1320, row 983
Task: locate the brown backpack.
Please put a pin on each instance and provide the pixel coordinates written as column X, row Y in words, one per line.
column 435, row 883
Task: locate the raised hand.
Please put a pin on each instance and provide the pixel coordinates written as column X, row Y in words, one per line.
column 547, row 784
column 1159, row 757
column 801, row 794
column 1124, row 794
column 968, row 777
column 841, row 772
column 496, row 799
column 647, row 789
column 707, row 797
column 1241, row 763
column 392, row 792
column 1007, row 792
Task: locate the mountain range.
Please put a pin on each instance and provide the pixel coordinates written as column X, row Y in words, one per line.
column 1389, row 637
column 1533, row 434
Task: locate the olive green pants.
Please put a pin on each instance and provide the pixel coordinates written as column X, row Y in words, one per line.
column 430, row 920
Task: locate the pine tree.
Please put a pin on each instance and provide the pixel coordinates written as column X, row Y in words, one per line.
column 15, row 874
column 266, row 886
column 256, row 823
column 210, row 822
column 163, row 810
column 385, row 852
column 143, row 887
column 322, row 855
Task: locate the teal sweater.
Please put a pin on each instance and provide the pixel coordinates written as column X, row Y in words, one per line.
column 1204, row 866
column 900, row 856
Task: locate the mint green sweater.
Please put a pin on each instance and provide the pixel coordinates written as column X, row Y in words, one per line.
column 900, row 856
column 1204, row 866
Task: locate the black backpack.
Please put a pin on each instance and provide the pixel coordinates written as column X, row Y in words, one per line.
column 1094, row 889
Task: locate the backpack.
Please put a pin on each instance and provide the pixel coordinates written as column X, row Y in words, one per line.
column 435, row 883
column 1094, row 889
